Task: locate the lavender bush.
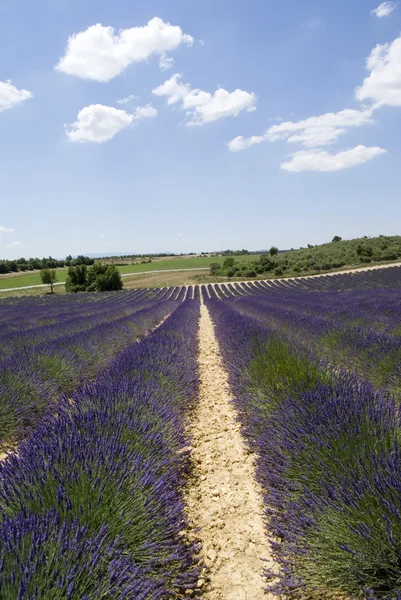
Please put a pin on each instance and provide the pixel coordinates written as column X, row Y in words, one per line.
column 329, row 462
column 105, row 474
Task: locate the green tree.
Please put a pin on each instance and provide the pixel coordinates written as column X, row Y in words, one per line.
column 228, row 262
column 49, row 277
column 98, row 278
column 104, row 278
column 273, row 251
column 215, row 268
column 76, row 280
column 110, row 280
column 336, row 238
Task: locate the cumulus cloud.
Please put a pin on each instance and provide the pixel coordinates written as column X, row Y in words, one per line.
column 98, row 123
column 165, row 62
column 203, row 107
column 11, row 96
column 98, row 53
column 144, row 112
column 127, row 100
column 383, row 85
column 241, row 143
column 6, row 229
column 323, row 161
column 384, row 10
column 313, row 132
column 102, row 236
column 15, row 245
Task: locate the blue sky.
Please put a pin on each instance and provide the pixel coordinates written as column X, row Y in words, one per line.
column 270, row 127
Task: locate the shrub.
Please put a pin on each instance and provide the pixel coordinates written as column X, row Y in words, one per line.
column 98, row 278
column 49, row 277
column 76, row 280
column 228, row 262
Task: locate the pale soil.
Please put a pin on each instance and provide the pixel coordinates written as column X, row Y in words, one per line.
column 159, row 280
column 223, row 497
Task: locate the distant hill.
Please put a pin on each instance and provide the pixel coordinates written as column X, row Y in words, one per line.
column 337, row 254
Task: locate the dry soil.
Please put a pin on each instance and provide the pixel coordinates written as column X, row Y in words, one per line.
column 223, row 498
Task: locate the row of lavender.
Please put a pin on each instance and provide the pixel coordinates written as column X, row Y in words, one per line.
column 68, row 346
column 385, row 277
column 327, row 441
column 359, row 331
column 91, row 506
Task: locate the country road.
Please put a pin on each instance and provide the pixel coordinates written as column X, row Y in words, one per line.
column 40, row 285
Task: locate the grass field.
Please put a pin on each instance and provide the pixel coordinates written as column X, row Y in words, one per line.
column 12, row 281
column 19, row 280
column 181, row 263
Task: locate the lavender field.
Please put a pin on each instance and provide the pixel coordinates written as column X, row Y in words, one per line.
column 96, row 393
column 315, row 368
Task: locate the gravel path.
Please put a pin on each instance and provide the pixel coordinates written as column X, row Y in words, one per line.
column 223, row 498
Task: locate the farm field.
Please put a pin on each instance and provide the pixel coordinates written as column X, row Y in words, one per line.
column 265, row 412
column 22, row 279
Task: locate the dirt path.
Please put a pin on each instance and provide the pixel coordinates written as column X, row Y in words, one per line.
column 224, row 499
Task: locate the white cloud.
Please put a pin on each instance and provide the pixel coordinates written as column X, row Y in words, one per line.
column 102, row 236
column 203, row 107
column 320, row 160
column 383, row 85
column 143, row 112
column 10, row 95
column 6, row 229
column 127, row 100
column 313, row 132
column 100, row 54
column 384, row 10
column 165, row 62
column 15, row 245
column 381, row 88
column 98, row 123
column 174, row 89
column 240, row 143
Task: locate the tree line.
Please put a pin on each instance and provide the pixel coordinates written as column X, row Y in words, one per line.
column 34, row 264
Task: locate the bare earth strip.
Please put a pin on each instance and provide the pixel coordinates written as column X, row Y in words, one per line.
column 223, row 498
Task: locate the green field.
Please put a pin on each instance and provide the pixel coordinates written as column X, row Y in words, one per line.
column 13, row 281
column 181, row 263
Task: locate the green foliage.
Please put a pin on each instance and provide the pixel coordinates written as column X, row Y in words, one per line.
column 32, row 264
column 97, row 278
column 49, row 277
column 102, row 278
column 336, row 238
column 228, row 262
column 315, row 259
column 76, row 280
column 273, row 251
column 281, row 370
